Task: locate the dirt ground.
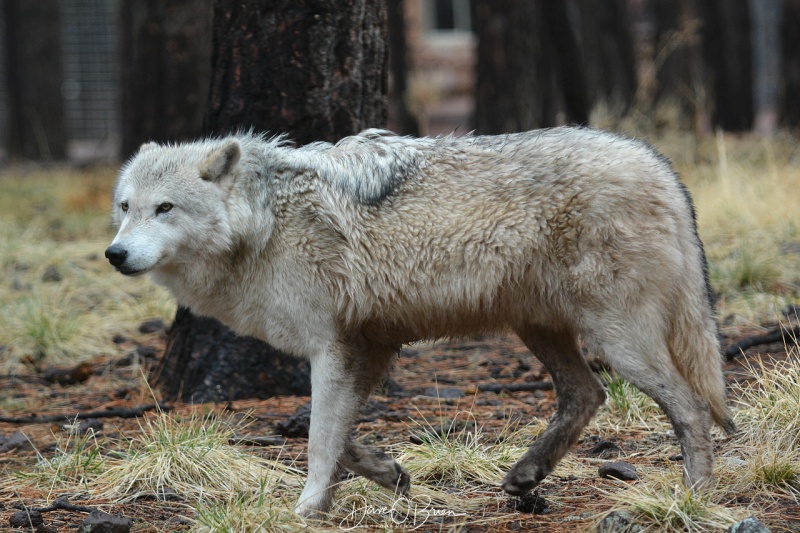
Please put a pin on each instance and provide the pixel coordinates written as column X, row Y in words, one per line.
column 431, row 382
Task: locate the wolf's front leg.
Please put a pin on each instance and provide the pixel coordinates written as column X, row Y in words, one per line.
column 334, row 403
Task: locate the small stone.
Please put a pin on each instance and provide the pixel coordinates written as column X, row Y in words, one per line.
column 748, row 525
column 17, row 441
column 26, row 519
column 530, row 503
column 52, row 274
column 618, row 522
column 101, row 522
column 618, row 470
column 155, row 325
column 604, row 446
column 296, row 426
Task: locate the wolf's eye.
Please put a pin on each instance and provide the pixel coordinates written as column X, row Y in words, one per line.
column 124, row 207
column 163, row 208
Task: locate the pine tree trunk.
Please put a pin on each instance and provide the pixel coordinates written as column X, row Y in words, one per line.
column 529, row 67
column 165, row 55
column 36, row 126
column 317, row 70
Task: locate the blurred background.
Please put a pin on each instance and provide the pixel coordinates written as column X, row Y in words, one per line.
column 89, row 80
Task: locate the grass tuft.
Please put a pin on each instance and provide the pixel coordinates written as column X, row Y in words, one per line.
column 664, row 504
column 627, row 405
column 190, row 457
column 460, row 457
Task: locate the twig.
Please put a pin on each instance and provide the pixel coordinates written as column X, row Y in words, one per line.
column 60, row 504
column 515, row 387
column 776, row 335
column 106, row 413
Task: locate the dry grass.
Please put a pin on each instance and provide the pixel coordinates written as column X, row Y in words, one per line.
column 190, row 457
column 60, row 302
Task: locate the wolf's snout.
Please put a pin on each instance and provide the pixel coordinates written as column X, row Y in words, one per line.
column 116, row 254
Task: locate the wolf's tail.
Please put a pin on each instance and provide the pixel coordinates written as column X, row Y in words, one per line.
column 695, row 350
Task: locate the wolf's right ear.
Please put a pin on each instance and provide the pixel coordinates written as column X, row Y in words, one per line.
column 217, row 167
column 146, row 147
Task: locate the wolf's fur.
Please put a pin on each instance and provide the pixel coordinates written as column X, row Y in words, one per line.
column 341, row 253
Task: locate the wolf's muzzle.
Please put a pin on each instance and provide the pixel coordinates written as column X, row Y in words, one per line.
column 116, row 255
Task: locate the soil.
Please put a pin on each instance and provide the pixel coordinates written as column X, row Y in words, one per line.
column 428, row 383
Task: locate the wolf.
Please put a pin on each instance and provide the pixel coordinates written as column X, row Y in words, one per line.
column 341, row 253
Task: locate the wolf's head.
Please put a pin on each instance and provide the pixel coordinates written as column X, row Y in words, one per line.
column 170, row 206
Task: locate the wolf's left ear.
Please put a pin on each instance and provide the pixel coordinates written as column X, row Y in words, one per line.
column 217, row 167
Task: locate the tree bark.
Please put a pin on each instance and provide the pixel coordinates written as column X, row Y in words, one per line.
column 529, row 67
column 514, row 78
column 165, row 57
column 317, row 70
column 726, row 43
column 36, row 124
column 399, row 114
column 765, row 17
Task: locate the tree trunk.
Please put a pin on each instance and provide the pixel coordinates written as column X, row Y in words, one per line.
column 317, row 70
column 165, row 51
column 529, row 67
column 399, row 114
column 36, row 125
column 726, row 44
column 790, row 38
column 765, row 17
column 608, row 54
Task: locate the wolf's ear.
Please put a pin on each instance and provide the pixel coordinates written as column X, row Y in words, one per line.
column 217, row 167
column 146, row 147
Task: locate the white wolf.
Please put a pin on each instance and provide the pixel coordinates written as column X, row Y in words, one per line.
column 341, row 253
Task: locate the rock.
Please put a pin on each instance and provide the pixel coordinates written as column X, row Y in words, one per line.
column 155, row 325
column 17, row 441
column 531, row 503
column 297, row 424
column 146, row 352
column 618, row 470
column 604, row 446
column 618, row 522
column 748, row 525
column 52, row 274
column 101, row 522
column 26, row 519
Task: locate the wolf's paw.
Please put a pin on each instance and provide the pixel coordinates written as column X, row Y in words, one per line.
column 403, row 481
column 521, row 479
column 394, row 478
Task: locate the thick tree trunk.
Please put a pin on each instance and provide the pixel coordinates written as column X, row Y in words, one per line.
column 317, row 70
column 726, row 43
column 36, row 127
column 399, row 114
column 514, row 86
column 166, row 63
column 542, row 63
column 765, row 16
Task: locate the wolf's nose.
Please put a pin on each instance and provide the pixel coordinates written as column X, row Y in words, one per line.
column 116, row 254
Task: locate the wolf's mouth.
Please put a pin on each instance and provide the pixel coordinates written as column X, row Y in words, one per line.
column 130, row 271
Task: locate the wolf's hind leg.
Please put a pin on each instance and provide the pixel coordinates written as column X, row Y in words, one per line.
column 639, row 353
column 373, row 464
column 579, row 395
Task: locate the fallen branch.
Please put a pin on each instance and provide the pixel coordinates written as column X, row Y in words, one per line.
column 106, row 413
column 776, row 335
column 515, row 387
column 61, row 504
